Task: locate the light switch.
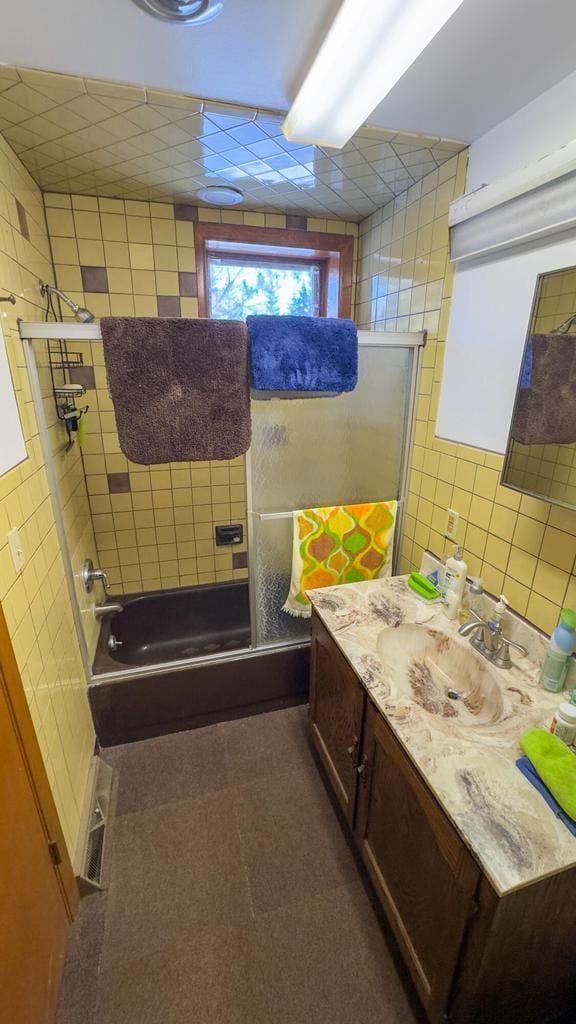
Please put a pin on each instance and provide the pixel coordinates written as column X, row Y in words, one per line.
column 16, row 549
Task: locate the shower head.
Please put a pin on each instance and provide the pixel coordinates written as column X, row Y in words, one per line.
column 83, row 315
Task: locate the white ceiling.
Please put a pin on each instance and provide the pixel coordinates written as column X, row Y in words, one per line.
column 493, row 57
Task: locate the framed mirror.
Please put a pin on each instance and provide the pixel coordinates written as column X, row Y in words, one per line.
column 12, row 446
column 541, row 451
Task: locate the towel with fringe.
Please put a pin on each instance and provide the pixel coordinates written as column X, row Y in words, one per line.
column 339, row 544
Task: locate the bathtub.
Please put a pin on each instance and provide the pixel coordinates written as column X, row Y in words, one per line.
column 170, row 625
column 136, row 692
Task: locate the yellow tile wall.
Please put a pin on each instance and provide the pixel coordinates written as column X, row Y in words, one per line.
column 158, row 532
column 520, row 545
column 35, row 601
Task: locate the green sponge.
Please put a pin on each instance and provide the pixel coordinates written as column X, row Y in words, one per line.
column 555, row 764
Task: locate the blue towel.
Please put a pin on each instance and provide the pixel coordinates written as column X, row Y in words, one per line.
column 529, row 771
column 526, row 371
column 303, row 353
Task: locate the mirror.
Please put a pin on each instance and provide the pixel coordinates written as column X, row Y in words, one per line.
column 541, row 452
column 12, row 446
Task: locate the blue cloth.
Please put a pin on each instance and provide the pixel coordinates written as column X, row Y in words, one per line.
column 303, row 353
column 526, row 371
column 529, row 771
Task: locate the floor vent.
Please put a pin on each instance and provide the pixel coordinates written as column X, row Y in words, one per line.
column 90, row 877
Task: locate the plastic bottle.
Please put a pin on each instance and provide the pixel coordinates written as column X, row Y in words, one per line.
column 498, row 613
column 455, row 573
column 562, row 645
column 452, row 604
column 473, row 600
column 563, row 724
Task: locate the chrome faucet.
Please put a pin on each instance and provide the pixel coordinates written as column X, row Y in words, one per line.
column 100, row 610
column 490, row 642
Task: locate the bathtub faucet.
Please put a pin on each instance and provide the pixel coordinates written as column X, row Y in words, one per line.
column 100, row 610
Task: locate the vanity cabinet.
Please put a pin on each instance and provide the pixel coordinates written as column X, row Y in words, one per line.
column 475, row 957
column 336, row 716
column 422, row 871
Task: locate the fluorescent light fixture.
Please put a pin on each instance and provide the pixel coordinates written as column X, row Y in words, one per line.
column 369, row 46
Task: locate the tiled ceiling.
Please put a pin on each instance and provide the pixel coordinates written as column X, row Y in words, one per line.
column 99, row 138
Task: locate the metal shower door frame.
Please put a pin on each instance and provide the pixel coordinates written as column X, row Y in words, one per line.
column 414, row 340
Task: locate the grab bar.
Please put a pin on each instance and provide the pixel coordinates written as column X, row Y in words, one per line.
column 271, row 515
column 287, row 515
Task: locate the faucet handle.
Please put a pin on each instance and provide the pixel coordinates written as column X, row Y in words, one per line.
column 88, row 575
column 502, row 656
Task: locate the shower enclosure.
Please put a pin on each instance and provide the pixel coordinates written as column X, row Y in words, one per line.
column 187, row 654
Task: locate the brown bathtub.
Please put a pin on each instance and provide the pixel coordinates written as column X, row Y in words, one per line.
column 209, row 623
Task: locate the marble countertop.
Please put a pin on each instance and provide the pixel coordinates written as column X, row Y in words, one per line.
column 465, row 750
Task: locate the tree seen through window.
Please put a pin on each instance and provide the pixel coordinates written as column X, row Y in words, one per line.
column 238, row 290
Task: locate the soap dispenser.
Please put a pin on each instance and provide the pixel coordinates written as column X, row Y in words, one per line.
column 496, row 620
column 455, row 573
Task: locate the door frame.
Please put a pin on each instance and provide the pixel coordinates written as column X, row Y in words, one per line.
column 13, row 690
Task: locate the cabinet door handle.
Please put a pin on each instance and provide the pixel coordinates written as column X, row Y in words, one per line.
column 351, row 750
column 362, row 768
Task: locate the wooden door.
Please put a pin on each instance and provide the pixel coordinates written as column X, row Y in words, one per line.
column 424, row 875
column 37, row 897
column 336, row 712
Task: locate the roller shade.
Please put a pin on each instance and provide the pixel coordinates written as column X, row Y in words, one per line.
column 534, row 204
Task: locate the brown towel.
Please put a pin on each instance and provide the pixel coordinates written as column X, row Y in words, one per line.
column 546, row 410
column 179, row 387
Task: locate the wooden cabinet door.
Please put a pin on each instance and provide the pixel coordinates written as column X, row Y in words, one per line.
column 424, row 875
column 336, row 712
column 34, row 907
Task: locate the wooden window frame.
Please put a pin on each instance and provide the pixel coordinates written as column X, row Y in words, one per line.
column 334, row 254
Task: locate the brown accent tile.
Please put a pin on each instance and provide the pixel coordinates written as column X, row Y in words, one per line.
column 94, row 279
column 184, row 212
column 22, row 220
column 293, row 220
column 118, row 483
column 83, row 375
column 168, row 305
column 187, row 284
column 240, row 560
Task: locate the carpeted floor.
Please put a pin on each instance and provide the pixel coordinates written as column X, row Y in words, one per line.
column 233, row 897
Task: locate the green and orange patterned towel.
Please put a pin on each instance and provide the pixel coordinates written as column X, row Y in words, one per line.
column 343, row 544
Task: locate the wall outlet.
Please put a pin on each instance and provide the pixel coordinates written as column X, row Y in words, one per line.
column 452, row 520
column 16, row 549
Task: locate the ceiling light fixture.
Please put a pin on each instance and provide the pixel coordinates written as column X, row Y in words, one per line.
column 368, row 48
column 220, row 195
column 186, row 12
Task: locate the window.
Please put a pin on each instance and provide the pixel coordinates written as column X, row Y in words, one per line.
column 280, row 271
column 238, row 286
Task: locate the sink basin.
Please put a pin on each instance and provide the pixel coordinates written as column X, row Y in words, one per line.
column 442, row 675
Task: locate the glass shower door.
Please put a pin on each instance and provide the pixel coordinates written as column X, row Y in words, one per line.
column 309, row 452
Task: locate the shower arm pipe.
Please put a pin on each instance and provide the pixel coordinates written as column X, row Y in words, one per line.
column 82, row 314
column 50, row 289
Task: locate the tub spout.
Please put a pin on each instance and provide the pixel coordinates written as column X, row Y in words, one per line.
column 100, row 610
